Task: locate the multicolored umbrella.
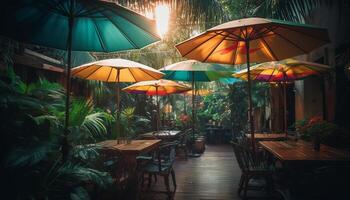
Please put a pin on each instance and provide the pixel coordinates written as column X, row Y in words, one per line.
column 192, row 70
column 253, row 40
column 116, row 70
column 283, row 72
column 157, row 88
column 75, row 25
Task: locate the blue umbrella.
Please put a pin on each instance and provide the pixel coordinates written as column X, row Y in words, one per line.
column 75, row 25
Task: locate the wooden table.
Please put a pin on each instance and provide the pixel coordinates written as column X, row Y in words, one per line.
column 170, row 134
column 294, row 151
column 267, row 136
column 132, row 150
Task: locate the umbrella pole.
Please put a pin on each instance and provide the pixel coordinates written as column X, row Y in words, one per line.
column 193, row 107
column 285, row 108
column 185, row 110
column 250, row 102
column 65, row 145
column 158, row 113
column 118, row 104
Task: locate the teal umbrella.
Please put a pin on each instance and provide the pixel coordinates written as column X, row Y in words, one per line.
column 75, row 25
column 192, row 70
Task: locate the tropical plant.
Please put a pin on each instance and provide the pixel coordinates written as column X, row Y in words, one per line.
column 30, row 141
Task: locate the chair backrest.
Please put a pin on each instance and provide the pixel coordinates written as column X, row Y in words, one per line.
column 166, row 154
column 245, row 157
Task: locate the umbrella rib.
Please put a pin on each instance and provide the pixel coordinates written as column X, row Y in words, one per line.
column 80, row 70
column 110, row 72
column 149, row 74
column 269, row 48
column 99, row 67
column 274, row 69
column 200, row 44
column 132, row 74
column 235, row 54
column 216, row 46
column 99, row 35
column 154, row 35
column 297, row 46
column 121, row 31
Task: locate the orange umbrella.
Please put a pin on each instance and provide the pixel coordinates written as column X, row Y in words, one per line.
column 253, row 40
column 116, row 70
column 157, row 87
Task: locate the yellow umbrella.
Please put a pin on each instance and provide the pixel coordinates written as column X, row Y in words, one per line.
column 253, row 40
column 116, row 70
column 160, row 87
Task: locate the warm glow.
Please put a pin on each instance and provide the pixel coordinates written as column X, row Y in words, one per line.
column 162, row 15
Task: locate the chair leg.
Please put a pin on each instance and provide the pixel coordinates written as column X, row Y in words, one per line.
column 155, row 178
column 246, row 181
column 240, row 186
column 166, row 181
column 149, row 179
column 174, row 179
column 269, row 184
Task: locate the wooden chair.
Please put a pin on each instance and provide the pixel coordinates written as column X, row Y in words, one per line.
column 162, row 166
column 183, row 143
column 252, row 168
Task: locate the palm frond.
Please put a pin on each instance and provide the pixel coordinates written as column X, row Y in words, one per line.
column 193, row 11
column 292, row 10
column 95, row 123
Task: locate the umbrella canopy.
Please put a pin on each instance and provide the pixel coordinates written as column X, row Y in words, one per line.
column 75, row 25
column 116, row 70
column 157, row 87
column 284, row 71
column 253, row 40
column 96, row 26
column 269, row 40
column 192, row 70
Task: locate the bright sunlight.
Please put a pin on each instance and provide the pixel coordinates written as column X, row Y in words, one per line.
column 162, row 15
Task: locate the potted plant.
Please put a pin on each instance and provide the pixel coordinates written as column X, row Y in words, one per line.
column 316, row 130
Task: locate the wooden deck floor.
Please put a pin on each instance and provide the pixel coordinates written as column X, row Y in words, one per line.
column 214, row 175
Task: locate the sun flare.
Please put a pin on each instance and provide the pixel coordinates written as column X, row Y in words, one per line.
column 162, row 15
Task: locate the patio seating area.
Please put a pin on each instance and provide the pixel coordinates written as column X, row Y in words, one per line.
column 172, row 99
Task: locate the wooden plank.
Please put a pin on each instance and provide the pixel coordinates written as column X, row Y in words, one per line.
column 267, row 136
column 303, row 151
column 135, row 147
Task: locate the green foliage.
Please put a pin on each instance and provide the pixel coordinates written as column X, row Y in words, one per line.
column 31, row 126
column 315, row 128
